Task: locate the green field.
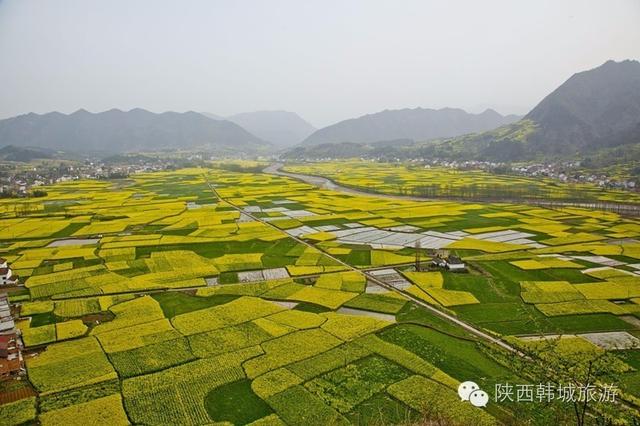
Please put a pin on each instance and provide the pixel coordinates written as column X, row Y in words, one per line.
column 178, row 308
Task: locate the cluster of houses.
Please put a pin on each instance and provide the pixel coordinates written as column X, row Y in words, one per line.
column 572, row 172
column 11, row 361
column 17, row 186
column 564, row 171
column 19, row 181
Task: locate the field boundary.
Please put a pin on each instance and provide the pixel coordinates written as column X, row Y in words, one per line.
column 632, row 210
column 468, row 327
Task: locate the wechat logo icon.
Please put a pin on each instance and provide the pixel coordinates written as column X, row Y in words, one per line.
column 470, row 391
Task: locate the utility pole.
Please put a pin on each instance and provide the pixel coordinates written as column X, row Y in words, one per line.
column 418, row 247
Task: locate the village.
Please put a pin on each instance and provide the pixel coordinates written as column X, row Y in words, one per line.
column 24, row 180
column 11, row 360
column 562, row 171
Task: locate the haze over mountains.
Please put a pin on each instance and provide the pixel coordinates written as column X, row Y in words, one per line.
column 282, row 128
column 593, row 111
column 594, row 114
column 116, row 131
column 418, row 124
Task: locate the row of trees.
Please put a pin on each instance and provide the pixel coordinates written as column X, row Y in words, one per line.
column 35, row 193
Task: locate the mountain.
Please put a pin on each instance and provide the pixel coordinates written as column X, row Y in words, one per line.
column 212, row 116
column 25, row 154
column 593, row 111
column 417, row 124
column 116, row 131
column 281, row 128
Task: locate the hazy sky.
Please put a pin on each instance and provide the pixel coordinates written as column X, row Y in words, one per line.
column 326, row 60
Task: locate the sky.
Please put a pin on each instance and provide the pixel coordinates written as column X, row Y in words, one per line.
column 327, row 60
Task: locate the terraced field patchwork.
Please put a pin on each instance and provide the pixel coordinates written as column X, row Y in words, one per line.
column 290, row 348
column 177, row 394
column 70, row 364
column 195, row 309
column 107, row 410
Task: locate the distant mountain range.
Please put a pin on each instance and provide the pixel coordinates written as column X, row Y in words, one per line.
column 117, row 131
column 417, row 124
column 594, row 116
column 282, row 128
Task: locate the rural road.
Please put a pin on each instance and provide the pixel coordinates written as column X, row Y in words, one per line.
column 325, row 183
column 451, row 318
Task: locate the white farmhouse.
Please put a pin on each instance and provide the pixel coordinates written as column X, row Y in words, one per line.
column 6, row 276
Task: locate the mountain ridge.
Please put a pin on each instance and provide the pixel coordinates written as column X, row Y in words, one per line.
column 593, row 116
column 593, row 110
column 115, row 131
column 408, row 123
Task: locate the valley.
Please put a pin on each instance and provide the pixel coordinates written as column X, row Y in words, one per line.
column 205, row 284
column 319, row 213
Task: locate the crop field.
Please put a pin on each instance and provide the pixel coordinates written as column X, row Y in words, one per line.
column 178, row 295
column 441, row 181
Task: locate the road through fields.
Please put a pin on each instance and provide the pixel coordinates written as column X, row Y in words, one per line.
column 451, row 318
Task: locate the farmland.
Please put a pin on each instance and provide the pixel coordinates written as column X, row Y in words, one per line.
column 177, row 293
column 443, row 182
